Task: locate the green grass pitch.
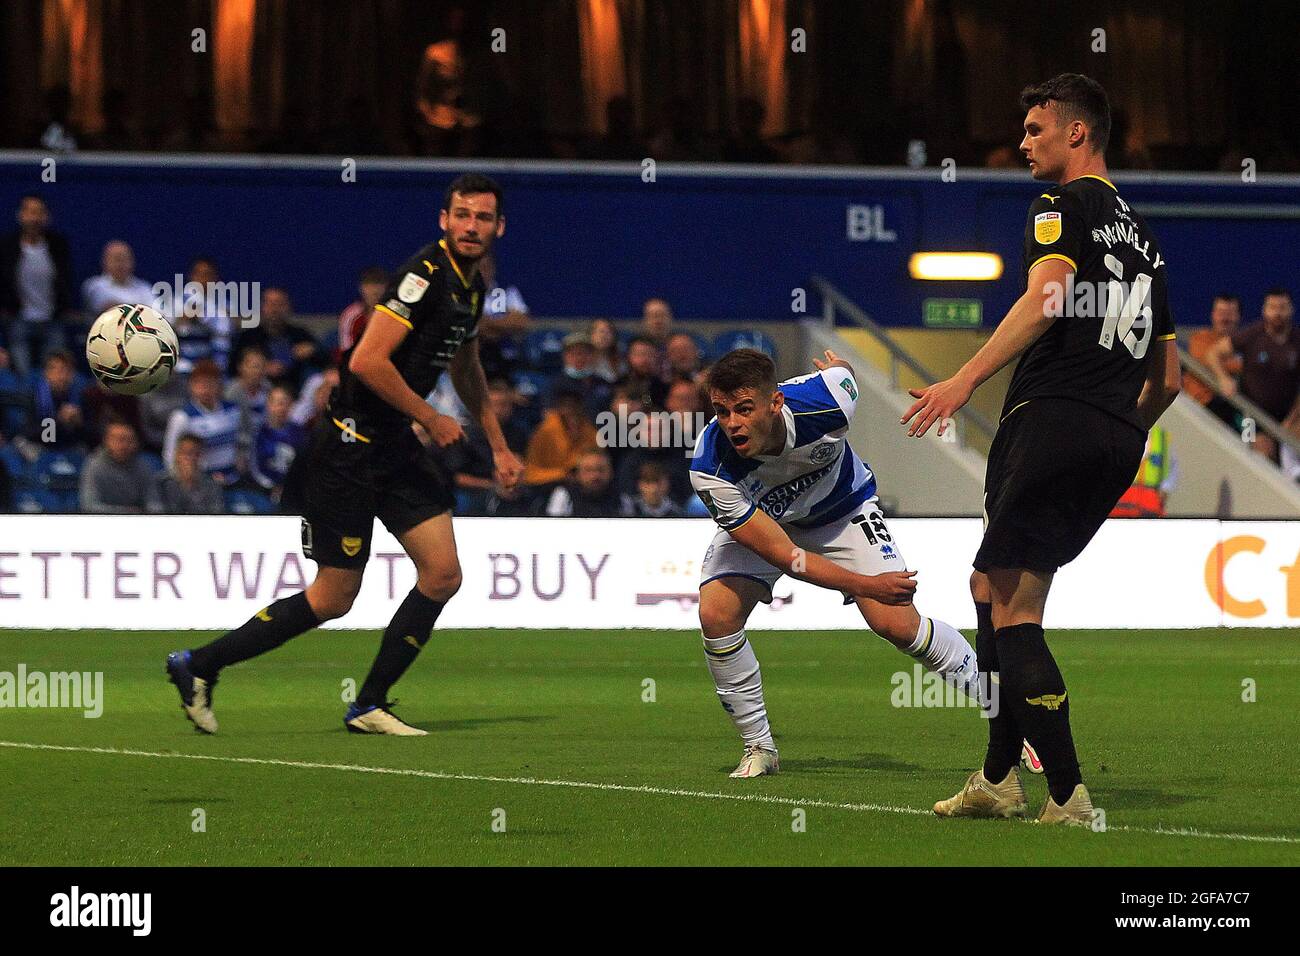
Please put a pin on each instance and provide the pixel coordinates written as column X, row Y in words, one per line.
column 1185, row 770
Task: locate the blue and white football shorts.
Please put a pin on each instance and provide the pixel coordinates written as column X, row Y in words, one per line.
column 862, row 543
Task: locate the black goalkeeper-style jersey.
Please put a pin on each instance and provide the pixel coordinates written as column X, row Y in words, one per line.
column 1116, row 305
column 431, row 296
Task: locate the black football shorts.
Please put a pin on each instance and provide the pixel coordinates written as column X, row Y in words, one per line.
column 346, row 484
column 1056, row 469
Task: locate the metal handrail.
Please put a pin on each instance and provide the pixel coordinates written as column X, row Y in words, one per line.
column 1241, row 403
column 835, row 301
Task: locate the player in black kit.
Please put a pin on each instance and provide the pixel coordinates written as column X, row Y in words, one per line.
column 1098, row 367
column 365, row 461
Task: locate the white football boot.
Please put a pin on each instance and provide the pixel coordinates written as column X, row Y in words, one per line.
column 757, row 762
column 196, row 693
column 379, row 720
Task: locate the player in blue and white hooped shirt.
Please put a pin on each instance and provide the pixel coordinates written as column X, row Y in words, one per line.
column 790, row 496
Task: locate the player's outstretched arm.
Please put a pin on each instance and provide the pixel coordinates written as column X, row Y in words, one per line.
column 768, row 540
column 1028, row 319
column 372, row 362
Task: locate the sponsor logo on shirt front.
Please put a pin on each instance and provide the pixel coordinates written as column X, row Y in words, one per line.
column 778, row 501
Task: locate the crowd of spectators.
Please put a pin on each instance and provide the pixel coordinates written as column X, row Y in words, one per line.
column 603, row 419
column 1259, row 362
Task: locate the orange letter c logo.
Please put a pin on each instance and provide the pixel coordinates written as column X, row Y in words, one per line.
column 1218, row 559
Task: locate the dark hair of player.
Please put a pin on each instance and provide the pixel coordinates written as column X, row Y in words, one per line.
column 1278, row 290
column 1228, row 297
column 376, row 275
column 1077, row 97
column 467, row 184
column 642, row 340
column 743, row 368
column 203, row 260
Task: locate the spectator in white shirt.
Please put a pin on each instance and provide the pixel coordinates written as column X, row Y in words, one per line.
column 35, row 286
column 117, row 284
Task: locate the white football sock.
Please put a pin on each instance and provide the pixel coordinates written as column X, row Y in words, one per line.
column 941, row 648
column 740, row 686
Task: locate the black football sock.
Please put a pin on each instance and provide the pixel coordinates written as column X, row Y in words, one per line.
column 406, row 633
column 1005, row 737
column 264, row 631
column 1034, row 691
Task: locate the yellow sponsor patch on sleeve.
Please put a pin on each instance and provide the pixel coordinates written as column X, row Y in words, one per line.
column 1047, row 228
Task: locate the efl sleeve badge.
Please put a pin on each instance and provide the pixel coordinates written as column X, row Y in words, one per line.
column 412, row 288
column 1047, row 228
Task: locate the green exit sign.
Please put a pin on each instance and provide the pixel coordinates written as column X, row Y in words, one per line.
column 952, row 313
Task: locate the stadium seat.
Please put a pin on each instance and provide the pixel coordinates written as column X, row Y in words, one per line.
column 329, row 342
column 34, row 501
column 531, row 385
column 245, row 501
column 741, row 339
column 67, row 501
column 14, row 402
column 543, row 349
column 11, row 381
column 58, row 471
column 695, row 508
column 14, row 463
column 152, row 461
column 703, row 344
column 471, row 502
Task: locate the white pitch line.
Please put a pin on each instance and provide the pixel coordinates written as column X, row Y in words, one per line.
column 614, row 787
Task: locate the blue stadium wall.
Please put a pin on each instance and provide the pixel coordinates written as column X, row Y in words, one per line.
column 725, row 243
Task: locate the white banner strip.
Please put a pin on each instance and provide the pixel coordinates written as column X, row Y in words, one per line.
column 174, row 573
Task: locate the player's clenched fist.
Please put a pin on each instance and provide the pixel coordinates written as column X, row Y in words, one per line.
column 509, row 469
column 892, row 587
column 444, row 430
